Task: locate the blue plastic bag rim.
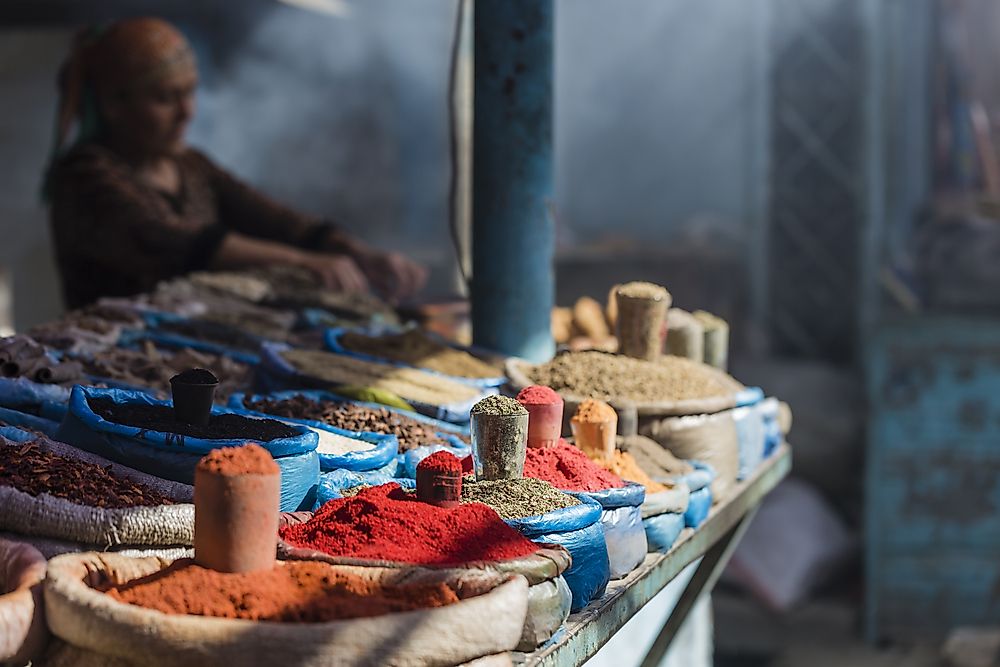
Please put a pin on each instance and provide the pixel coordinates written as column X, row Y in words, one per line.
column 630, row 495
column 303, row 442
column 561, row 520
column 386, row 446
column 331, row 337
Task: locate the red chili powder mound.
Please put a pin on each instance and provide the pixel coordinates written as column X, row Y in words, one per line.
column 537, row 394
column 294, row 592
column 566, row 467
column 243, row 460
column 442, row 462
column 385, row 523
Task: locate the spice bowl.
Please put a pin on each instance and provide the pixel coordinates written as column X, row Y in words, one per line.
column 544, row 424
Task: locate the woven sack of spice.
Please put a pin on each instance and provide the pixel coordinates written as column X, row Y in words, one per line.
column 488, row 619
column 174, row 457
column 709, row 438
column 48, row 516
column 23, row 632
column 728, row 391
column 436, row 396
column 334, row 340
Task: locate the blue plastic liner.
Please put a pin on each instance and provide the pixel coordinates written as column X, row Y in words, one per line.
column 662, row 530
column 15, row 434
column 22, row 392
column 303, row 441
column 698, row 507
column 332, row 484
column 702, row 475
column 172, row 457
column 750, row 439
column 579, row 529
column 409, row 461
column 23, row 419
column 384, row 451
column 621, row 518
column 131, row 338
column 279, row 374
column 772, row 430
column 332, row 339
column 749, row 396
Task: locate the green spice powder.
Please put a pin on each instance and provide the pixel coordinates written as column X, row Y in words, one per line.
column 517, row 498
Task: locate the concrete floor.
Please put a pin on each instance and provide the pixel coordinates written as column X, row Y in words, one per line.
column 822, row 633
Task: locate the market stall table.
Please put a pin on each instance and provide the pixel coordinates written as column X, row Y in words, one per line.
column 589, row 629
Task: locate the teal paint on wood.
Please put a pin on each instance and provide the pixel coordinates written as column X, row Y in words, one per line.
column 933, row 477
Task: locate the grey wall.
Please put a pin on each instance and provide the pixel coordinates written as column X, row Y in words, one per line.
column 659, row 110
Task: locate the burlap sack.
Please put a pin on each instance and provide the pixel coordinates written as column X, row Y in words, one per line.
column 51, row 548
column 548, row 608
column 57, row 518
column 23, row 632
column 517, row 371
column 710, row 438
column 488, row 620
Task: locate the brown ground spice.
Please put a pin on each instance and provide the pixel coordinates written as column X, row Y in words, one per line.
column 416, row 348
column 612, row 377
column 292, row 592
column 408, row 383
column 243, row 460
column 410, row 432
column 653, row 458
column 623, row 465
column 28, row 468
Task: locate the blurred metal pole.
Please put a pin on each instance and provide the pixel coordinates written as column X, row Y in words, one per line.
column 513, row 235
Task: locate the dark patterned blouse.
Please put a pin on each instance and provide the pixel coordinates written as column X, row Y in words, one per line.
column 117, row 236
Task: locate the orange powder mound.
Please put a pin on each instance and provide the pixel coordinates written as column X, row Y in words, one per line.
column 592, row 411
column 244, row 460
column 292, row 592
column 626, row 467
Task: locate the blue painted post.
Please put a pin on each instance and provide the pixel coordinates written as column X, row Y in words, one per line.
column 512, row 233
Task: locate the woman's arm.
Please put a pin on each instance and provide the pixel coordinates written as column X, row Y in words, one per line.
column 237, row 251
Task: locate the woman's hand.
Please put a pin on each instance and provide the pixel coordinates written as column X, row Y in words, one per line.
column 393, row 275
column 336, row 272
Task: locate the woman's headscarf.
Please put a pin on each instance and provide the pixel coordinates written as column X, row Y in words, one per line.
column 113, row 61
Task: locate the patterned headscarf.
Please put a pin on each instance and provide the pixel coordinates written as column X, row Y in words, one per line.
column 114, row 61
column 111, row 60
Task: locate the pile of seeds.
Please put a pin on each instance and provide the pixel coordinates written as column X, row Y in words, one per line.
column 410, row 432
column 212, row 332
column 416, row 348
column 593, row 374
column 517, row 498
column 498, row 406
column 409, row 384
column 29, row 468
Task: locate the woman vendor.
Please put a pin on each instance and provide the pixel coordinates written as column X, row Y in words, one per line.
column 132, row 204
